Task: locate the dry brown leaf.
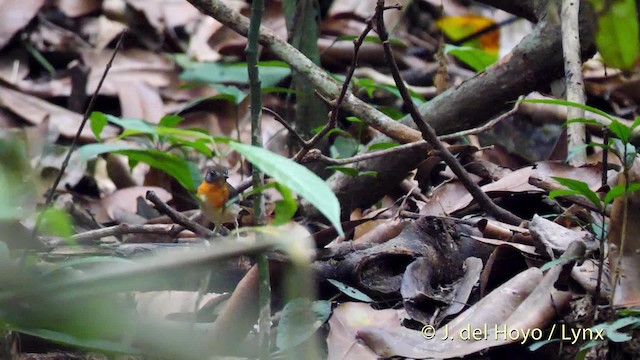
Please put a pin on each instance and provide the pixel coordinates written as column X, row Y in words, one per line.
column 126, row 199
column 35, row 111
column 107, row 31
column 551, row 237
column 14, row 15
column 129, row 65
column 527, row 301
column 140, row 101
column 75, row 8
column 347, row 319
column 445, row 199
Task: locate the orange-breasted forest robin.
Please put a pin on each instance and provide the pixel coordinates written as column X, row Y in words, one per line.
column 214, row 192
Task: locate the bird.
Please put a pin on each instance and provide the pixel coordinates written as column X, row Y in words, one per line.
column 214, row 192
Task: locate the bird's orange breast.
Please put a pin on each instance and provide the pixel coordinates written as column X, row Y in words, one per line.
column 217, row 194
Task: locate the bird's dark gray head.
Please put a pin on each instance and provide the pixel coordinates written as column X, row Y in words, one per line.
column 215, row 174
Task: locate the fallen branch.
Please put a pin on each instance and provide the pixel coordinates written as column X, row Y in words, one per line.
column 177, row 217
column 123, row 229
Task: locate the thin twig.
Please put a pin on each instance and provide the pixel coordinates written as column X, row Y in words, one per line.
column 177, row 217
column 357, row 43
column 85, row 117
column 316, row 155
column 491, row 123
column 288, row 126
column 264, row 285
column 429, row 134
column 123, row 229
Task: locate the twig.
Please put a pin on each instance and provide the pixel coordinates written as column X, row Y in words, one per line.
column 357, row 43
column 284, row 123
column 491, row 123
column 429, row 134
column 177, row 217
column 326, row 85
column 122, row 229
column 74, row 142
column 85, row 117
column 315, row 155
column 264, row 288
column 576, row 134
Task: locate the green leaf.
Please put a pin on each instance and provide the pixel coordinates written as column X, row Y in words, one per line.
column 622, row 131
column 271, row 72
column 353, row 172
column 90, row 151
column 383, row 146
column 178, row 168
column 476, row 58
column 278, row 90
column 56, row 222
column 350, row 291
column 618, row 191
column 582, row 121
column 617, row 35
column 580, row 187
column 297, row 178
column 347, row 170
column 97, row 121
column 285, row 208
column 571, row 104
column 617, row 336
column 344, row 147
column 550, row 264
column 354, row 119
column 170, row 121
column 300, row 320
column 629, row 312
column 231, row 93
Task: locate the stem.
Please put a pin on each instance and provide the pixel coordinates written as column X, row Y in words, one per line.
column 264, row 322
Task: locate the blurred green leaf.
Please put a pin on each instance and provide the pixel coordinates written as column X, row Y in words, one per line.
column 618, row 191
column 617, row 35
column 353, row 172
column 548, row 265
column 230, row 92
column 383, row 146
column 297, row 178
column 300, row 320
column 571, row 104
column 178, row 168
column 271, row 72
column 285, row 208
column 620, row 130
column 580, row 188
column 476, row 58
column 170, row 121
column 344, row 147
column 97, row 121
column 56, row 222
